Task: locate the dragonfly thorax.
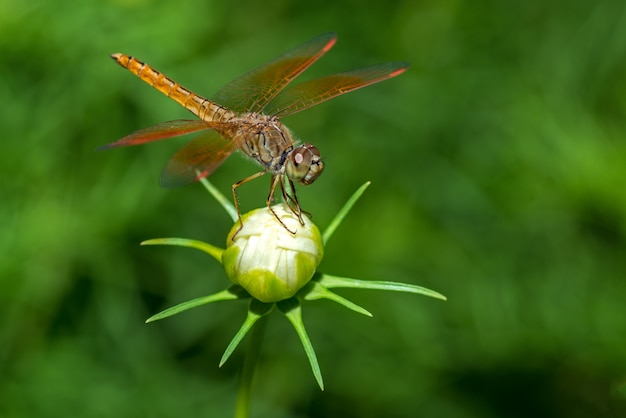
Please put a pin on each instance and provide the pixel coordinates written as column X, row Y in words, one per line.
column 264, row 139
column 270, row 143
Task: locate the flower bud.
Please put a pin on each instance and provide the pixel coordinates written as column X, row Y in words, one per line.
column 268, row 261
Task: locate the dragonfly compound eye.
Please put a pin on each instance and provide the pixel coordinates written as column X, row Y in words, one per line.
column 304, row 164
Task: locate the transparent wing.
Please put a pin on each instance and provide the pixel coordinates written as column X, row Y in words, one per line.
column 161, row 131
column 310, row 93
column 198, row 159
column 253, row 90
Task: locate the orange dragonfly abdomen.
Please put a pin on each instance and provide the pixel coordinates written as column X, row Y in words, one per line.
column 203, row 108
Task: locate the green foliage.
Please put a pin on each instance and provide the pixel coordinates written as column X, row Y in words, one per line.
column 496, row 162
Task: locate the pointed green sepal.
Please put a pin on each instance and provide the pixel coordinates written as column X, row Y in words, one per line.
column 256, row 310
column 293, row 311
column 212, row 250
column 232, row 293
column 314, row 291
column 330, row 282
column 330, row 230
column 226, row 203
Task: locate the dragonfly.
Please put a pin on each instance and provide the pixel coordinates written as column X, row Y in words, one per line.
column 246, row 115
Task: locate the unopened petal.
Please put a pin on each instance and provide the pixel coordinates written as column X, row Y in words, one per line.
column 270, row 262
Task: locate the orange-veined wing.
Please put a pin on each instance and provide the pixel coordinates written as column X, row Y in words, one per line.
column 310, row 93
column 161, row 131
column 253, row 90
column 198, row 159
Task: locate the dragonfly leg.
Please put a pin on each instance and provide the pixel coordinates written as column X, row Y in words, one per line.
column 236, row 200
column 292, row 200
column 275, row 181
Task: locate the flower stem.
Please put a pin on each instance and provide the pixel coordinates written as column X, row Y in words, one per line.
column 244, row 391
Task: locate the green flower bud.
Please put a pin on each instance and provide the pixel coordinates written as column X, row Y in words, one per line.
column 268, row 261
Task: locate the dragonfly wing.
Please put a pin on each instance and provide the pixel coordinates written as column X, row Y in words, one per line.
column 198, row 159
column 253, row 90
column 161, row 131
column 310, row 93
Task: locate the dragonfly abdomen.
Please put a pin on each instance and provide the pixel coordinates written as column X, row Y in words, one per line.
column 198, row 105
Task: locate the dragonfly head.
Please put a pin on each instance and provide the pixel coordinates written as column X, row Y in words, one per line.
column 304, row 164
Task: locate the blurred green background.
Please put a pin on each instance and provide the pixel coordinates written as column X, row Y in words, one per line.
column 497, row 162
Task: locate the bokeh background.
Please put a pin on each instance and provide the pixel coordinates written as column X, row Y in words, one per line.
column 498, row 164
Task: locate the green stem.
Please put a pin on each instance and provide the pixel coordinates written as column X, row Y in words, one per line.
column 244, row 391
